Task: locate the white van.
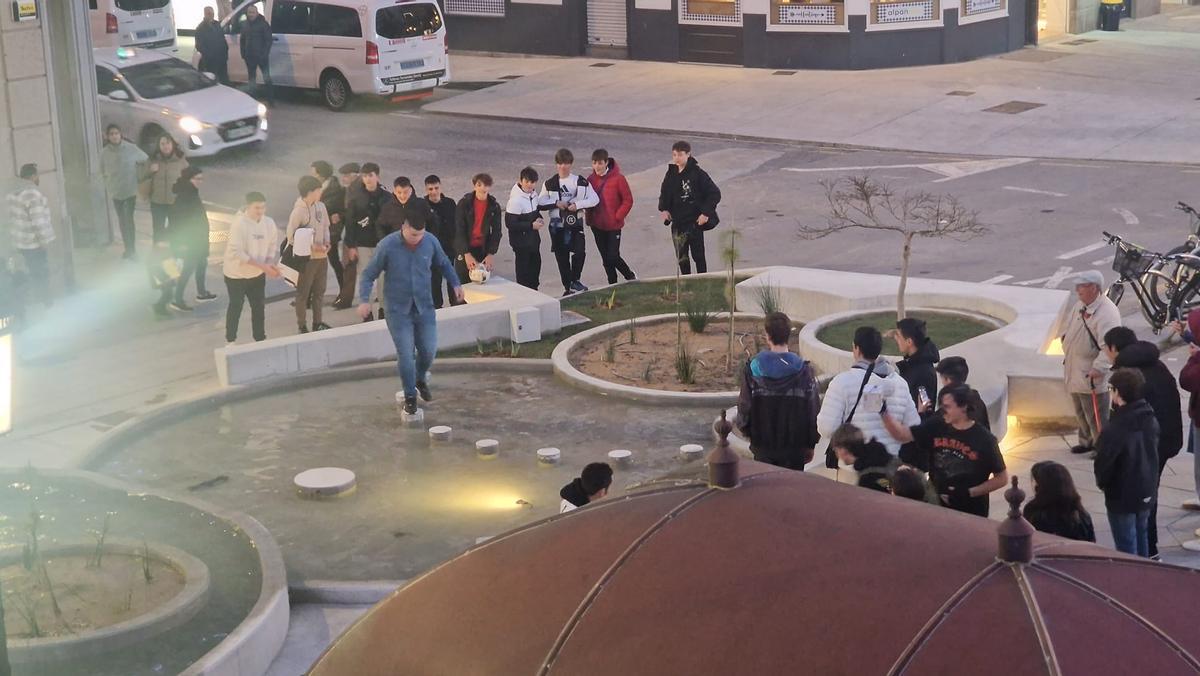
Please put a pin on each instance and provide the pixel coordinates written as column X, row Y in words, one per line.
column 149, row 24
column 390, row 48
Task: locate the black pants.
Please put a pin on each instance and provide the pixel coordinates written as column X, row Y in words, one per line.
column 195, row 263
column 689, row 240
column 436, row 282
column 609, row 244
column 529, row 267
column 1152, row 524
column 241, row 290
column 569, row 252
column 218, row 67
column 251, row 68
column 125, row 209
column 335, row 261
column 159, row 215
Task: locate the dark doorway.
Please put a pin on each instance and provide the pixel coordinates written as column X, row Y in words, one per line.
column 711, row 44
column 1032, row 10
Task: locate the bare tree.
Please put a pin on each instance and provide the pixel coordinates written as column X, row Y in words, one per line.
column 863, row 202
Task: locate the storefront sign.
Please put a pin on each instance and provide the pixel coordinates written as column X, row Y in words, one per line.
column 897, row 12
column 980, row 6
column 820, row 15
column 24, row 10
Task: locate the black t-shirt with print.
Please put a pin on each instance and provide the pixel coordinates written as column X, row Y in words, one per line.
column 959, row 458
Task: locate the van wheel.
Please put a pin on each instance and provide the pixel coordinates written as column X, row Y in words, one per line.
column 148, row 139
column 336, row 91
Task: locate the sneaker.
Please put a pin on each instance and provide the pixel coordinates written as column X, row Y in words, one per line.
column 370, row 317
column 1191, row 504
column 410, row 405
column 303, row 328
column 322, row 327
column 180, row 306
column 231, row 343
column 205, row 297
column 1080, row 450
column 423, row 390
column 1191, row 545
column 632, row 276
column 578, row 286
column 160, row 311
column 340, row 305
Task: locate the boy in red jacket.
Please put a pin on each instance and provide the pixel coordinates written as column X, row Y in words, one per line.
column 608, row 217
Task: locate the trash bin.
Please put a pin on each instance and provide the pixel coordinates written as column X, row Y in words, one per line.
column 1110, row 15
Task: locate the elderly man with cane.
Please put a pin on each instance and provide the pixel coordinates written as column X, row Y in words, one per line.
column 1085, row 364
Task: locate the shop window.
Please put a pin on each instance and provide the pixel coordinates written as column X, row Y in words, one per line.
column 475, row 7
column 904, row 11
column 975, row 7
column 711, row 11
column 806, row 13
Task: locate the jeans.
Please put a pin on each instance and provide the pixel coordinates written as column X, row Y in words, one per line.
column 1129, row 531
column 415, row 336
column 310, row 290
column 158, row 217
column 1085, row 415
column 37, row 263
column 124, row 210
column 529, row 267
column 609, row 244
column 195, row 262
column 265, row 67
column 241, row 290
column 689, row 240
column 569, row 253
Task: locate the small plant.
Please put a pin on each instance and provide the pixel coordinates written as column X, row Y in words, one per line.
column 698, row 317
column 769, row 298
column 35, row 521
column 58, row 613
column 633, row 331
column 610, row 303
column 685, row 365
column 146, row 562
column 514, row 349
column 26, row 605
column 499, row 347
column 648, row 371
column 479, row 347
column 100, row 535
column 610, row 350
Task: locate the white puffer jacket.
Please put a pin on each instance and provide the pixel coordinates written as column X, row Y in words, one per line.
column 885, row 384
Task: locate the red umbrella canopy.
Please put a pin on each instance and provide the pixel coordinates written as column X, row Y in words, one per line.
column 785, row 574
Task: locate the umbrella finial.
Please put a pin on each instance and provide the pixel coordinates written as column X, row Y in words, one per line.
column 723, row 461
column 1015, row 533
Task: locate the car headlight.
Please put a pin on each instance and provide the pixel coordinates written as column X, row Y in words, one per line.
column 191, row 125
column 262, row 110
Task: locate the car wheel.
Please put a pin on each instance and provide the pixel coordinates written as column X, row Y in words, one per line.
column 148, row 140
column 336, row 91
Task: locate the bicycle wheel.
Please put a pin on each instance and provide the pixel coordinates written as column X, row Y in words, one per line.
column 1116, row 291
column 1159, row 292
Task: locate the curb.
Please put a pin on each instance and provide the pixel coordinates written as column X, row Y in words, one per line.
column 339, row 593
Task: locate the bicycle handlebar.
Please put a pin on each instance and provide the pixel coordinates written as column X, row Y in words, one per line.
column 1183, row 206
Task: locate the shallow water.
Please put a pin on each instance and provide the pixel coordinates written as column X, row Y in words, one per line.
column 72, row 507
column 417, row 503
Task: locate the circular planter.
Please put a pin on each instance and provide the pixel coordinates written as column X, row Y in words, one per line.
column 567, row 371
column 178, row 610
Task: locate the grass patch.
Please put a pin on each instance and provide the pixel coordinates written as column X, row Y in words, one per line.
column 633, row 299
column 943, row 328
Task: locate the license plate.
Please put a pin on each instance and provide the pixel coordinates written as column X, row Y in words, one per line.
column 405, row 65
column 240, row 132
column 146, row 34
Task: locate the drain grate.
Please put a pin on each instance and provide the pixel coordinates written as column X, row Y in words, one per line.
column 469, row 86
column 784, row 72
column 1034, row 55
column 511, row 77
column 601, row 65
column 1013, row 107
column 1080, row 41
column 960, row 92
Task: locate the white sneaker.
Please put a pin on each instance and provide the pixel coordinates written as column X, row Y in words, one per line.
column 1191, row 545
column 1198, row 532
column 230, row 344
column 1191, row 503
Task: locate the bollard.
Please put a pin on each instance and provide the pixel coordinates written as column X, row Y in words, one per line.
column 487, row 449
column 440, row 432
column 548, row 456
column 621, row 457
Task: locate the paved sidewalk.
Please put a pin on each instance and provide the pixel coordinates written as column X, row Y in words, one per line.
column 1129, row 95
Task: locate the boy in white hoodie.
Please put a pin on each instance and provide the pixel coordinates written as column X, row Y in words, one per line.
column 250, row 258
column 523, row 219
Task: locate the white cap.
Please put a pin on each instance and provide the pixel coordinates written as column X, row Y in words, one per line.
column 1088, row 277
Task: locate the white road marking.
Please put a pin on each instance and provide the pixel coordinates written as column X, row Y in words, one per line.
column 1103, row 261
column 1049, row 282
column 948, row 170
column 413, row 116
column 1076, row 166
column 1035, row 191
column 1081, row 251
column 1126, row 214
column 997, row 279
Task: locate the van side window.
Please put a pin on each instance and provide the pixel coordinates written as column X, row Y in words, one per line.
column 106, row 81
column 92, row 4
column 336, row 21
column 407, row 21
column 291, row 18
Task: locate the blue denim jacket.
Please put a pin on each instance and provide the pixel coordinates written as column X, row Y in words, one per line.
column 406, row 282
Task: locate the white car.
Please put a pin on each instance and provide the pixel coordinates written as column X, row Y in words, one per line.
column 148, row 93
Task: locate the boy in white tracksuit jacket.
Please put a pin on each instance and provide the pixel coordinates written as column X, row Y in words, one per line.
column 570, row 195
column 250, row 258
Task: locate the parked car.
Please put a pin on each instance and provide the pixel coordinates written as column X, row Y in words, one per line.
column 148, row 24
column 148, row 92
column 386, row 48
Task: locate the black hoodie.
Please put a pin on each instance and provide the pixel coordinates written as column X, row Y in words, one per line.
column 1160, row 392
column 917, row 370
column 189, row 218
column 687, row 194
column 574, row 493
column 362, row 214
column 777, row 408
column 1127, row 458
column 875, row 466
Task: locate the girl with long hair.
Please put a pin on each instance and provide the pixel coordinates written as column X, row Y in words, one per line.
column 163, row 169
column 1056, row 507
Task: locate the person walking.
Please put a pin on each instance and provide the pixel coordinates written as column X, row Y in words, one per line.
column 31, row 230
column 163, row 170
column 335, row 198
column 308, row 235
column 778, row 401
column 210, row 43
column 444, row 229
column 1084, row 362
column 523, row 219
column 1126, row 462
column 569, row 197
column 120, row 163
column 1124, row 350
column 364, row 202
column 250, row 258
column 405, row 259
column 919, row 356
column 1056, row 507
column 608, row 217
column 955, row 371
column 189, row 237
column 963, row 459
column 478, row 228
column 591, row 485
column 687, row 202
column 255, row 43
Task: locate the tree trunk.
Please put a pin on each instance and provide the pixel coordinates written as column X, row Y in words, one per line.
column 900, row 310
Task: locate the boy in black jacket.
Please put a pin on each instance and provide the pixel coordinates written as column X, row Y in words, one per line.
column 875, row 466
column 1127, row 462
column 522, row 217
column 477, row 228
column 688, row 202
column 443, row 229
column 364, row 202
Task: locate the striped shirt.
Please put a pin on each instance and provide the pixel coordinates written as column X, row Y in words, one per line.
column 29, row 218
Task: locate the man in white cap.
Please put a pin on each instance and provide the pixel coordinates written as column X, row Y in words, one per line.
column 1085, row 365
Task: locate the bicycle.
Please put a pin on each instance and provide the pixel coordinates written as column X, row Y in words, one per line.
column 1161, row 297
column 1180, row 273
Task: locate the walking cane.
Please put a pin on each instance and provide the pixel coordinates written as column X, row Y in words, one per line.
column 1095, row 407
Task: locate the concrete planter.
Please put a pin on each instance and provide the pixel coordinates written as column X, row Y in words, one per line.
column 178, row 610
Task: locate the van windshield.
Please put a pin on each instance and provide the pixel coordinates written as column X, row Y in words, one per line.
column 407, row 21
column 140, row 5
column 167, row 77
